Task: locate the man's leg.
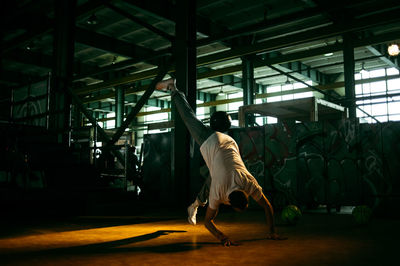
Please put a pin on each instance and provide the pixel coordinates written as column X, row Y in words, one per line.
column 201, row 200
column 199, row 133
column 197, row 129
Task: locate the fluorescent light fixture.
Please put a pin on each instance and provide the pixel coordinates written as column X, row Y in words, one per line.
column 328, row 54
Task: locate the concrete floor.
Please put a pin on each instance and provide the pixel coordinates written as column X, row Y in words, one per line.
column 167, row 239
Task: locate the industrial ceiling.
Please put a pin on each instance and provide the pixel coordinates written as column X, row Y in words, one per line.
column 120, row 43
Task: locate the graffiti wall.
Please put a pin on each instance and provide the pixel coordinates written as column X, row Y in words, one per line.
column 333, row 163
column 330, row 163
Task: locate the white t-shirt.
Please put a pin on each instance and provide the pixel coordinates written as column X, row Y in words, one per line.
column 227, row 170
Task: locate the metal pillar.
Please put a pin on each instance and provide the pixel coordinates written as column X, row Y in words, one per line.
column 248, row 86
column 185, row 58
column 63, row 54
column 119, row 105
column 348, row 58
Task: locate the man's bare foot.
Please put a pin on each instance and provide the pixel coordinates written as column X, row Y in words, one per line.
column 166, row 85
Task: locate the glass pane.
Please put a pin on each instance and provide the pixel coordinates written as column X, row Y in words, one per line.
column 394, row 107
column 358, row 89
column 365, row 88
column 379, row 109
column 359, row 113
column 365, row 120
column 287, row 87
column 235, row 106
column 272, row 120
column 365, row 75
column 299, row 85
column 260, row 120
column 303, row 95
column 287, row 97
column 377, row 73
column 393, row 84
column 394, row 117
column 392, row 71
column 365, row 108
column 155, row 117
column 274, row 99
column 382, row 118
column 273, row 89
column 200, row 111
column 235, row 95
column 379, row 86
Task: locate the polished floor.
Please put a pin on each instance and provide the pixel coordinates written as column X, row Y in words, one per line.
column 165, row 238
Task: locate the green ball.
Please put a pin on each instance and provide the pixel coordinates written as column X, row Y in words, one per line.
column 361, row 214
column 291, row 214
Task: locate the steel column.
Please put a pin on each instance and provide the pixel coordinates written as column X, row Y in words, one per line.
column 348, row 58
column 63, row 54
column 248, row 86
column 185, row 55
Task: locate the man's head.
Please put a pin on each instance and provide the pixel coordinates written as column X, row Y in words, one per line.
column 238, row 200
column 220, row 121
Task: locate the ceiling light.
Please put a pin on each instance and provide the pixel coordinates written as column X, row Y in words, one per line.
column 221, row 92
column 328, row 54
column 393, row 49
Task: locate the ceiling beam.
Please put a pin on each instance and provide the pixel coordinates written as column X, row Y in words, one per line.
column 390, row 16
column 164, row 10
column 110, row 44
column 140, row 22
column 261, row 26
column 251, row 49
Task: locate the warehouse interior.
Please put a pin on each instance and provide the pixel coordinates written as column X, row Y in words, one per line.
column 97, row 167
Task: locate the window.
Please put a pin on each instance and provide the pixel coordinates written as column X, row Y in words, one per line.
column 200, row 111
column 155, row 118
column 234, row 107
column 378, row 98
column 110, row 123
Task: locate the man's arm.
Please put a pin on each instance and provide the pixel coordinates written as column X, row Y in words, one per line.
column 210, row 225
column 269, row 215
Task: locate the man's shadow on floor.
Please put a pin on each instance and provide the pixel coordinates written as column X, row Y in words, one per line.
column 110, row 247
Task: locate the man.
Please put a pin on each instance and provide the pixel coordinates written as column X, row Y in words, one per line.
column 231, row 183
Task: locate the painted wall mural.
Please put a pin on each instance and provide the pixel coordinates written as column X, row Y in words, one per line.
column 332, row 163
